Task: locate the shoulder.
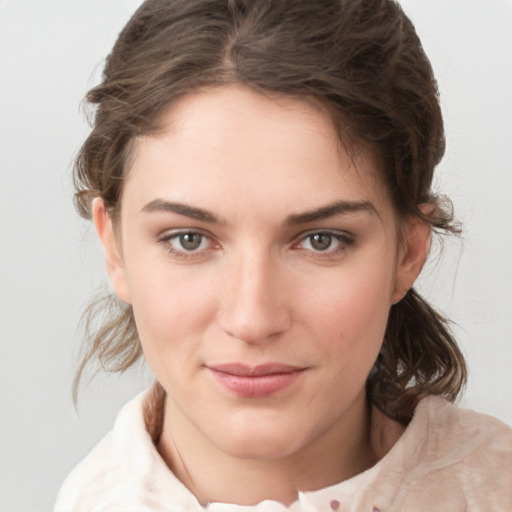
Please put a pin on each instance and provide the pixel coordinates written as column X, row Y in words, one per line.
column 460, row 456
column 103, row 473
column 125, row 471
column 88, row 479
column 463, row 433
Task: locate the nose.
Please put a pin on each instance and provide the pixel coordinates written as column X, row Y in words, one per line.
column 254, row 300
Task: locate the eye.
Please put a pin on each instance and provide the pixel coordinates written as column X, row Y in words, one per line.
column 325, row 242
column 189, row 241
column 185, row 244
column 319, row 241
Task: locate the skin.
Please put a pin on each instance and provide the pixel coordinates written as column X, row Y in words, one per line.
column 257, row 289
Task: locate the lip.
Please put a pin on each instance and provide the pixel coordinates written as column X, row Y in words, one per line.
column 256, row 381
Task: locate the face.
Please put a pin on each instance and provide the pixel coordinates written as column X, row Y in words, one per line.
column 261, row 263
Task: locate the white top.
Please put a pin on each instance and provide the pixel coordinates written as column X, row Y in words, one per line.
column 448, row 459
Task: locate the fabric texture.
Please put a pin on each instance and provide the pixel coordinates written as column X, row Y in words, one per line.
column 447, row 459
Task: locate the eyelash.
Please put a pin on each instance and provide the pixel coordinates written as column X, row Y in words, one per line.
column 344, row 241
column 167, row 241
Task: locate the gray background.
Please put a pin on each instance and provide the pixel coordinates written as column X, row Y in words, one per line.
column 51, row 52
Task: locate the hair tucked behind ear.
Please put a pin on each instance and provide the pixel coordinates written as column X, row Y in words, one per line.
column 361, row 60
column 419, row 357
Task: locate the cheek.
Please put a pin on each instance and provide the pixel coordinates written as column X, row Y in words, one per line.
column 171, row 310
column 349, row 312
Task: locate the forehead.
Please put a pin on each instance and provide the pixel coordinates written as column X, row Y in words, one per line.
column 232, row 142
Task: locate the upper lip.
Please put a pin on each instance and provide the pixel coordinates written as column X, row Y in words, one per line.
column 244, row 370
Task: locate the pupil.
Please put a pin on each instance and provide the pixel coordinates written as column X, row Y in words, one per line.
column 190, row 241
column 321, row 242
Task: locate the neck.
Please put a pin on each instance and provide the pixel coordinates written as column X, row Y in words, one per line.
column 213, row 475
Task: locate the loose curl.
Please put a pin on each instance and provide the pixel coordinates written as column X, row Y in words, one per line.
column 361, row 60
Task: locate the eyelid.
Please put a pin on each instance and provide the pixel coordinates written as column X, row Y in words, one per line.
column 167, row 236
column 345, row 238
column 336, row 233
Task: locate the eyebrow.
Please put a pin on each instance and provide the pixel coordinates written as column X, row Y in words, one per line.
column 159, row 205
column 331, row 210
column 324, row 212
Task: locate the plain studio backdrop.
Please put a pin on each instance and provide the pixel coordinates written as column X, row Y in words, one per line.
column 51, row 52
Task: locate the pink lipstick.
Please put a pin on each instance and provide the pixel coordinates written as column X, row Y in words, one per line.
column 256, row 381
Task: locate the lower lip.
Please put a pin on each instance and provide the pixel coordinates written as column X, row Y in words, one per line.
column 256, row 386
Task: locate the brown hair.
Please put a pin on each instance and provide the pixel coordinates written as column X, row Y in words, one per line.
column 364, row 60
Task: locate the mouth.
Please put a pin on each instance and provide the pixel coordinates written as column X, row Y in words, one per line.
column 256, row 381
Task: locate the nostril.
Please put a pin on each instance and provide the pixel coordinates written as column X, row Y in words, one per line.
column 256, row 327
column 254, row 304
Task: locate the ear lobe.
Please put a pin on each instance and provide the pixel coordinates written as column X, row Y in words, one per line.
column 411, row 257
column 113, row 256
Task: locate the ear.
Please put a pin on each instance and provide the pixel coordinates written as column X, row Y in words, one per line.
column 412, row 253
column 113, row 255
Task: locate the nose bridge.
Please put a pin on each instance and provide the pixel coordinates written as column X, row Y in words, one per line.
column 254, row 306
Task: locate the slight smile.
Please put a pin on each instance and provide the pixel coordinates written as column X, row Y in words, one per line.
column 256, row 381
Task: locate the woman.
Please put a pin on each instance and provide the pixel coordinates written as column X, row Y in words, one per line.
column 259, row 174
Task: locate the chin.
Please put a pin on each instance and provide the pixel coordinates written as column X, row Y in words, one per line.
column 261, row 448
column 259, row 440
